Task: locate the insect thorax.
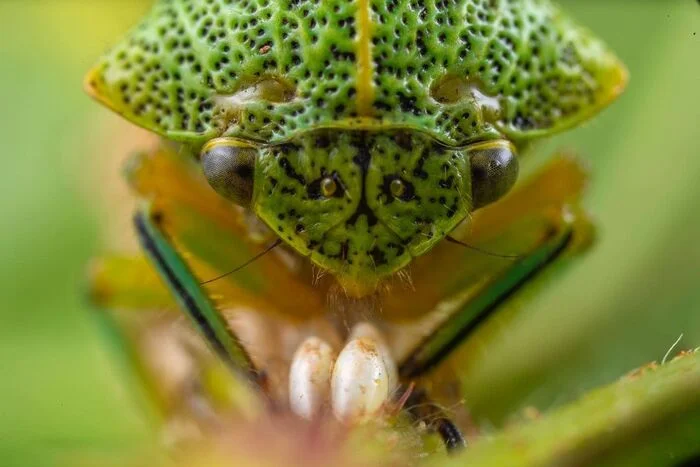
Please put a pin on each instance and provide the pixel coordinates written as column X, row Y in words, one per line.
column 462, row 70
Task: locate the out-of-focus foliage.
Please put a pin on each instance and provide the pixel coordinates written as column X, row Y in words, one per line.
column 622, row 306
column 58, row 389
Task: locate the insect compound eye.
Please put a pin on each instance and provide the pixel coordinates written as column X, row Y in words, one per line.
column 494, row 170
column 229, row 167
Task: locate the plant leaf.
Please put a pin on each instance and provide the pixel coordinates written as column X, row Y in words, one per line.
column 649, row 417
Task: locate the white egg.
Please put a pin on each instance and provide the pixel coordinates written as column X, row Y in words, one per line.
column 360, row 381
column 310, row 377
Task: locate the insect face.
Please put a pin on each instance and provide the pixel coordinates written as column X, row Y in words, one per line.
column 360, row 204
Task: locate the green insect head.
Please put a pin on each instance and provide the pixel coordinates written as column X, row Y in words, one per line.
column 361, row 132
column 360, row 204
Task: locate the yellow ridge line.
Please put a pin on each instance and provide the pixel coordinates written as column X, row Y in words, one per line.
column 365, row 84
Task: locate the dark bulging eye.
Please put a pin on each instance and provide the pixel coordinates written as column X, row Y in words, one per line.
column 494, row 168
column 229, row 167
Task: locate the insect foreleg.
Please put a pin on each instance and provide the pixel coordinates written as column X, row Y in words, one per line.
column 440, row 343
column 420, row 407
column 190, row 296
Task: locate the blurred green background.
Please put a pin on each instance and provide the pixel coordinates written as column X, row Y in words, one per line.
column 622, row 306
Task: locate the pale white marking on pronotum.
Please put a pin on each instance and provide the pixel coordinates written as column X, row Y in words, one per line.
column 368, row 330
column 310, row 377
column 360, row 382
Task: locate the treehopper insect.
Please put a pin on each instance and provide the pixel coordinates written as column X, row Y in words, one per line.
column 332, row 179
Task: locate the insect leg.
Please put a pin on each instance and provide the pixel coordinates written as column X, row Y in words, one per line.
column 440, row 343
column 189, row 294
column 421, row 408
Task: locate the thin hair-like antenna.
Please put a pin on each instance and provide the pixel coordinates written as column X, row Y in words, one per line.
column 479, row 250
column 254, row 258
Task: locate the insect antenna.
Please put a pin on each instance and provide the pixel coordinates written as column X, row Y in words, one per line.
column 480, row 250
column 251, row 260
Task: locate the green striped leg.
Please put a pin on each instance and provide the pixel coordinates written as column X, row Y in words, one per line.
column 442, row 341
column 189, row 294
